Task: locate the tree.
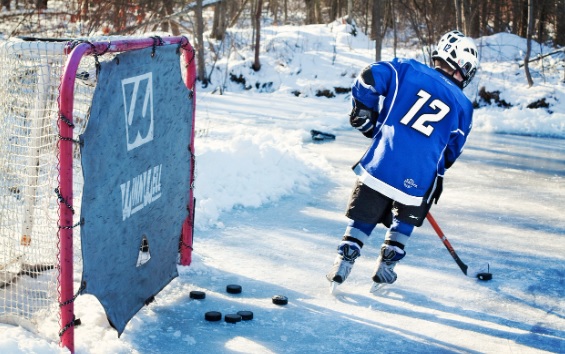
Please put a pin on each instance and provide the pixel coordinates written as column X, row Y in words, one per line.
column 310, row 12
column 334, row 9
column 220, row 21
column 468, row 16
column 199, row 46
column 529, row 41
column 165, row 11
column 377, row 28
column 394, row 26
column 256, row 63
column 559, row 23
column 521, row 17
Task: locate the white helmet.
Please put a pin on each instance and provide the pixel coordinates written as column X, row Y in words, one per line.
column 460, row 53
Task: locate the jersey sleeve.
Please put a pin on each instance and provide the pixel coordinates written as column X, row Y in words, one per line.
column 372, row 82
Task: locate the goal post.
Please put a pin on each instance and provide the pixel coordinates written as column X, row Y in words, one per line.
column 46, row 90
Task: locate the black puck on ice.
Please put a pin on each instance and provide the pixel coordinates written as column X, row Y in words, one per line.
column 245, row 315
column 484, row 276
column 213, row 316
column 233, row 289
column 232, row 318
column 198, row 295
column 280, row 300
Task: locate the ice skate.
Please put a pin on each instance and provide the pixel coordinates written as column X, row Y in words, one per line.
column 347, row 253
column 384, row 271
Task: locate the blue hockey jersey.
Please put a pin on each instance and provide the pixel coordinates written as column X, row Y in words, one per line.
column 423, row 124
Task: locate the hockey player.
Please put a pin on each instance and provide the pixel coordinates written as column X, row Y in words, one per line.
column 419, row 133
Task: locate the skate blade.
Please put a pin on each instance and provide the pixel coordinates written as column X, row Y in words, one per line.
column 333, row 287
column 377, row 287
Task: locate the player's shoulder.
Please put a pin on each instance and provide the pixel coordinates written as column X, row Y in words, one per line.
column 408, row 63
column 432, row 77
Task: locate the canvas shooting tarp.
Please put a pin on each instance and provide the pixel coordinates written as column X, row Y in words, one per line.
column 136, row 164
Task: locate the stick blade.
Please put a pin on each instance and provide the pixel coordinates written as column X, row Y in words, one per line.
column 476, row 271
column 484, row 276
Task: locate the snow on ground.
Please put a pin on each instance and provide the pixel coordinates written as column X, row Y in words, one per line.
column 270, row 213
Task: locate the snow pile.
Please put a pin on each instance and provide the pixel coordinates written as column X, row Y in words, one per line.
column 251, row 167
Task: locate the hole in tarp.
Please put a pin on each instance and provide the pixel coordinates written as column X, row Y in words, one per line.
column 144, row 254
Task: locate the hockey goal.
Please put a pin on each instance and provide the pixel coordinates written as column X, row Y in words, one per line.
column 46, row 89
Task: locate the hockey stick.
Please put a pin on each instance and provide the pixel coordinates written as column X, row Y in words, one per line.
column 481, row 273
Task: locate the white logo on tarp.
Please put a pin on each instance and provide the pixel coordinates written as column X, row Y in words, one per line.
column 135, row 118
column 141, row 191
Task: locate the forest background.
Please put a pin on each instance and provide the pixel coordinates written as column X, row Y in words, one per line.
column 413, row 22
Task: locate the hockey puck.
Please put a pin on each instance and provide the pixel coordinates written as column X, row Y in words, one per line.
column 198, row 295
column 233, row 289
column 245, row 315
column 280, row 300
column 484, row 276
column 232, row 318
column 213, row 316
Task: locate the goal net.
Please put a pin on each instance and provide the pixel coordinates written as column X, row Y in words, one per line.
column 30, row 75
column 31, row 263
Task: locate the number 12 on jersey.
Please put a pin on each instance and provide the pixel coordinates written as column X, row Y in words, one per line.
column 423, row 121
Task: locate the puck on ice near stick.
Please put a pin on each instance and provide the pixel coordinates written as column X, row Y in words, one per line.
column 245, row 315
column 280, row 300
column 484, row 276
column 213, row 316
column 233, row 289
column 232, row 318
column 198, row 295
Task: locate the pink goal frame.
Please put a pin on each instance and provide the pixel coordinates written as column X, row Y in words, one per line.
column 66, row 98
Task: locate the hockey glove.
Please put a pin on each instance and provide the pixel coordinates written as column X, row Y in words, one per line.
column 438, row 190
column 361, row 119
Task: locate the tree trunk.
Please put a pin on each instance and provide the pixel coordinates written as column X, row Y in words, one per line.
column 256, row 63
column 41, row 4
column 458, row 16
column 484, row 19
column 169, row 10
column 529, row 41
column 318, row 12
column 377, row 27
column 84, row 9
column 524, row 23
column 497, row 20
column 310, row 12
column 333, row 9
column 274, row 5
column 219, row 22
column 200, row 62
column 394, row 27
column 542, row 19
column 560, row 23
column 474, row 20
column 465, row 16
